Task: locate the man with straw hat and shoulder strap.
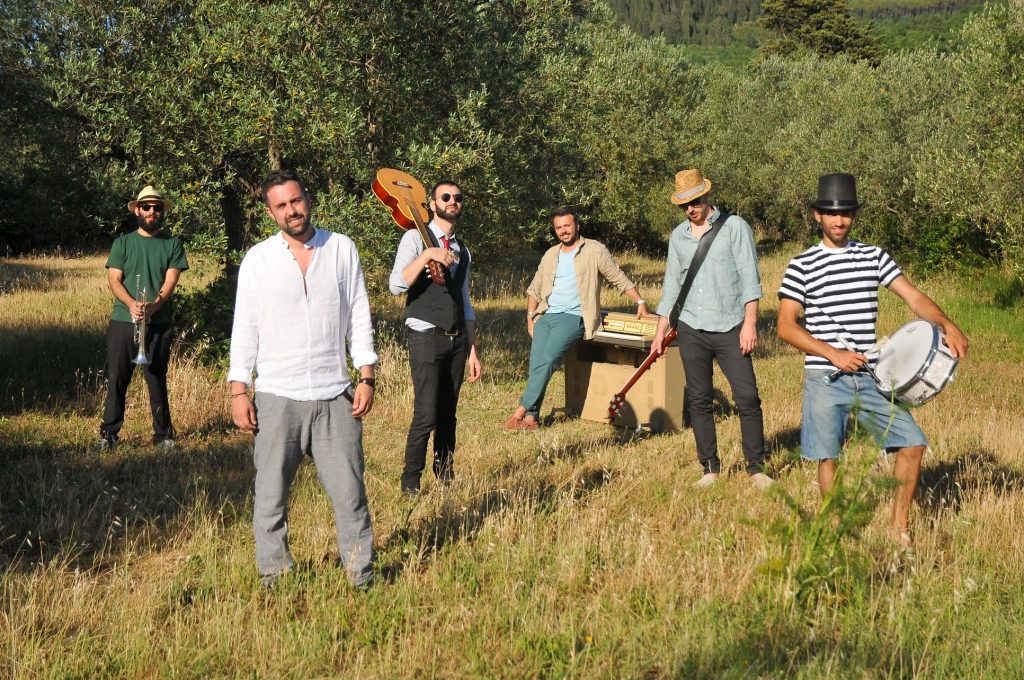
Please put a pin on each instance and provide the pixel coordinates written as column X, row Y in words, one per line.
column 710, row 294
column 142, row 271
column 835, row 284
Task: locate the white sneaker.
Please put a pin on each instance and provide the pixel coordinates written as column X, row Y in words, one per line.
column 707, row 480
column 761, row 481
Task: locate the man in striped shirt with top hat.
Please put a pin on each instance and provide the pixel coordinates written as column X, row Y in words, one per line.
column 835, row 283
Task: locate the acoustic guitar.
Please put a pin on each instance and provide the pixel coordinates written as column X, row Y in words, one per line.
column 407, row 199
column 619, row 400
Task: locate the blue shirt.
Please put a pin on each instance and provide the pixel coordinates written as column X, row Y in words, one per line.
column 565, row 295
column 725, row 283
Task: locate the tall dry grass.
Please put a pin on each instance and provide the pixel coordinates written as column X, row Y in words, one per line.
column 576, row 551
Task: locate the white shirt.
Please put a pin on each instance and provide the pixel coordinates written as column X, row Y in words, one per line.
column 409, row 248
column 292, row 330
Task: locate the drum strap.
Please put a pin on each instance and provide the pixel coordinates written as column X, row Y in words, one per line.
column 698, row 259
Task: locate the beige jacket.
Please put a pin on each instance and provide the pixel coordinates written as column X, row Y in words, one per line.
column 592, row 259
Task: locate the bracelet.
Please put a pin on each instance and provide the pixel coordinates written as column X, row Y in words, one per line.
column 372, row 382
column 240, row 394
column 641, row 302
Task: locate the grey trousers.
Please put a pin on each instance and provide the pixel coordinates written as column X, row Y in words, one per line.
column 289, row 429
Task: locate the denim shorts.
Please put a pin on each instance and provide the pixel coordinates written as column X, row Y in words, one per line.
column 827, row 409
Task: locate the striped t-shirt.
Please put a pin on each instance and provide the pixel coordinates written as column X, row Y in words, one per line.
column 838, row 288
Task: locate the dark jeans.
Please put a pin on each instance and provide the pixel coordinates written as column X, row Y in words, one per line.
column 121, row 350
column 699, row 349
column 437, row 363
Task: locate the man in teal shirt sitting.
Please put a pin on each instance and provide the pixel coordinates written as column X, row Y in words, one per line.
column 718, row 320
column 563, row 304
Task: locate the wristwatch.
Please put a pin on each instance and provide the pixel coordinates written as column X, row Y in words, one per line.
column 368, row 381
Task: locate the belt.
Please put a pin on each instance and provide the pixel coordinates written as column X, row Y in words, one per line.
column 434, row 330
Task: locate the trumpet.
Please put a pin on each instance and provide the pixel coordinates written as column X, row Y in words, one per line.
column 140, row 325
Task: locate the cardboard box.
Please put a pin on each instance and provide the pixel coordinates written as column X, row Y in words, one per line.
column 596, row 369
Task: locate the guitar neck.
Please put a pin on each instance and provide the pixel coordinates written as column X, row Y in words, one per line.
column 422, row 230
column 421, row 226
column 639, row 372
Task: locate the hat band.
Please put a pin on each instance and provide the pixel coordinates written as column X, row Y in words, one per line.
column 836, row 204
column 683, row 195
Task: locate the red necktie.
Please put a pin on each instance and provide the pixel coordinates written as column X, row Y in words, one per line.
column 444, row 242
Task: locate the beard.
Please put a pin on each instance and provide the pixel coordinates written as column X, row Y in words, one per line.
column 151, row 227
column 296, row 230
column 450, row 216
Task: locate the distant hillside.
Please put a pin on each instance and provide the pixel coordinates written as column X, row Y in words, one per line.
column 720, row 23
column 696, row 22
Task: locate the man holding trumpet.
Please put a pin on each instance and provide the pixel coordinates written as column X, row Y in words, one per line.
column 142, row 271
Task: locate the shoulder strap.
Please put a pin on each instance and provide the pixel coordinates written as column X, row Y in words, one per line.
column 698, row 259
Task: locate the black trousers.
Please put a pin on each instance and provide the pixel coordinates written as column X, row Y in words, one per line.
column 698, row 349
column 121, row 350
column 437, row 363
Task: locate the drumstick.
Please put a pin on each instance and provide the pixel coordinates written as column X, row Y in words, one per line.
column 846, row 343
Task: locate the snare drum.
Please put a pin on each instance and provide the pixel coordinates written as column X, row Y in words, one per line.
column 915, row 365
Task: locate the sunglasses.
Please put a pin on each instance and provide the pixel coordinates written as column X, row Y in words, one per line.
column 695, row 202
column 447, row 197
column 155, row 207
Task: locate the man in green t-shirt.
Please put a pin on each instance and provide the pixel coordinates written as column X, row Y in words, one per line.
column 142, row 271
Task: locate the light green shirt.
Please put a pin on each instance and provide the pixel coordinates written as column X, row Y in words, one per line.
column 725, row 283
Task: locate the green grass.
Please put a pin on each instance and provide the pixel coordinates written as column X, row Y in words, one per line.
column 577, row 551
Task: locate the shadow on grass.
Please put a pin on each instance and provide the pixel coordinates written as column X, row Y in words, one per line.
column 946, row 485
column 72, row 506
column 783, row 445
column 779, row 647
column 49, row 366
column 461, row 522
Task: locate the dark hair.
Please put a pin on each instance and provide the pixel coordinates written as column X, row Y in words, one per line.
column 562, row 211
column 433, row 190
column 278, row 177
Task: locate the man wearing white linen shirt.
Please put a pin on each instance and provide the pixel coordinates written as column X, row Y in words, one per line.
column 301, row 298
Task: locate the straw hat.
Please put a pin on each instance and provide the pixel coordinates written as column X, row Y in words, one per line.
column 149, row 193
column 837, row 192
column 689, row 186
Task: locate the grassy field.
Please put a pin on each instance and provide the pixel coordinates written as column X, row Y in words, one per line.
column 577, row 551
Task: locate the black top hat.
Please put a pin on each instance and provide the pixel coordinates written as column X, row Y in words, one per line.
column 837, row 192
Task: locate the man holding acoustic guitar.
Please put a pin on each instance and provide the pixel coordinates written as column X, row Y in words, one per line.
column 432, row 269
column 710, row 297
column 563, row 304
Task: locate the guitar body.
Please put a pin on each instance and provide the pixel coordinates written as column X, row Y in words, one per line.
column 407, row 199
column 619, row 400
